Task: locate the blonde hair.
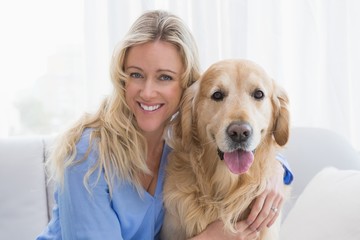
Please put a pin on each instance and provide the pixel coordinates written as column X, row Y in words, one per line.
column 121, row 147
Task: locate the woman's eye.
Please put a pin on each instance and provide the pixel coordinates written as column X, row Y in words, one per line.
column 218, row 96
column 258, row 94
column 165, row 77
column 135, row 75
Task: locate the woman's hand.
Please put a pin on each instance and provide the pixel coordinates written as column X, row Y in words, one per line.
column 215, row 231
column 266, row 207
column 264, row 213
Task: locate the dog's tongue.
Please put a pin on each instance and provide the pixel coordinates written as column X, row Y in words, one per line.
column 238, row 161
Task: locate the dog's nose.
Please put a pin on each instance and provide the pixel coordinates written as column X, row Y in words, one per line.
column 239, row 132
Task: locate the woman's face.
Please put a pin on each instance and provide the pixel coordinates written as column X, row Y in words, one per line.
column 153, row 89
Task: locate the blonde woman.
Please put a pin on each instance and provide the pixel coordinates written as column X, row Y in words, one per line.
column 109, row 167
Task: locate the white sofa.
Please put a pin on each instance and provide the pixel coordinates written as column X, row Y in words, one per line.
column 23, row 192
column 325, row 200
column 25, row 198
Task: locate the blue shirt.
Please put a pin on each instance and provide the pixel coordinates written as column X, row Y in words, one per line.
column 78, row 214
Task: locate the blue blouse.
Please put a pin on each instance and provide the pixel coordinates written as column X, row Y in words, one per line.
column 78, row 214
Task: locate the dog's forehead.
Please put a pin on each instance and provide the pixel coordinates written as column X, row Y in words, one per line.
column 242, row 71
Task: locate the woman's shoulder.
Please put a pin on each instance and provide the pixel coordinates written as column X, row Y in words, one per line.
column 84, row 141
column 86, row 149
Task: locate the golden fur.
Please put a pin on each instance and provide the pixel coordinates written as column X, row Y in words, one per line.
column 199, row 188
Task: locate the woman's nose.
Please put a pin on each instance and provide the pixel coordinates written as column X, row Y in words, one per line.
column 148, row 90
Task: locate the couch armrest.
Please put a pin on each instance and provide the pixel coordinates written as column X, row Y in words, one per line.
column 312, row 149
column 23, row 208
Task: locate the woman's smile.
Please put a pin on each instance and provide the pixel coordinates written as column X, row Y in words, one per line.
column 150, row 108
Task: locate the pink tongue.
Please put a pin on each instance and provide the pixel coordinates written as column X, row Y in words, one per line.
column 238, row 161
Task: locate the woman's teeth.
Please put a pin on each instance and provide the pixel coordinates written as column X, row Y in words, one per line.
column 149, row 108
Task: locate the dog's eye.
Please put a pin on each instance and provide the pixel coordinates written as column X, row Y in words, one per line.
column 258, row 94
column 217, row 96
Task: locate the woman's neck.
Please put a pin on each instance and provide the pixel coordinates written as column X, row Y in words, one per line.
column 155, row 144
column 153, row 140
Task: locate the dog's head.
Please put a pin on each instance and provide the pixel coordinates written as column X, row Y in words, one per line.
column 235, row 106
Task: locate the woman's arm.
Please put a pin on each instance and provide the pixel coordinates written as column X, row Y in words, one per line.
column 264, row 211
column 266, row 207
column 86, row 213
column 78, row 213
column 214, row 232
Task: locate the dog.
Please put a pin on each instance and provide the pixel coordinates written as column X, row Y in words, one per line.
column 230, row 125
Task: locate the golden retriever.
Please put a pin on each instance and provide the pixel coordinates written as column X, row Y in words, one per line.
column 230, row 125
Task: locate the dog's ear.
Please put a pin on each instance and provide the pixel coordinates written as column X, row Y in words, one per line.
column 281, row 125
column 184, row 124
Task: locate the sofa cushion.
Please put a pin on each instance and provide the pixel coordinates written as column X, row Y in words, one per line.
column 327, row 209
column 23, row 207
column 310, row 150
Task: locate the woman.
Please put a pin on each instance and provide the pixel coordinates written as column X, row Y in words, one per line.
column 109, row 167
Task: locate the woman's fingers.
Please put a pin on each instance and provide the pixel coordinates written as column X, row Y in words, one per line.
column 256, row 208
column 267, row 205
column 265, row 210
column 276, row 211
column 245, row 232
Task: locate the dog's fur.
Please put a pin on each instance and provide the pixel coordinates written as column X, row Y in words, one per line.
column 199, row 187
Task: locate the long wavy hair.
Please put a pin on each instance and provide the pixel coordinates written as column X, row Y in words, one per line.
column 119, row 143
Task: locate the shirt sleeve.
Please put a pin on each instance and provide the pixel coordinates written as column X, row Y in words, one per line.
column 86, row 214
column 288, row 176
column 52, row 230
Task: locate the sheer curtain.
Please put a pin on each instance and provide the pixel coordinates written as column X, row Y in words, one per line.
column 310, row 47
